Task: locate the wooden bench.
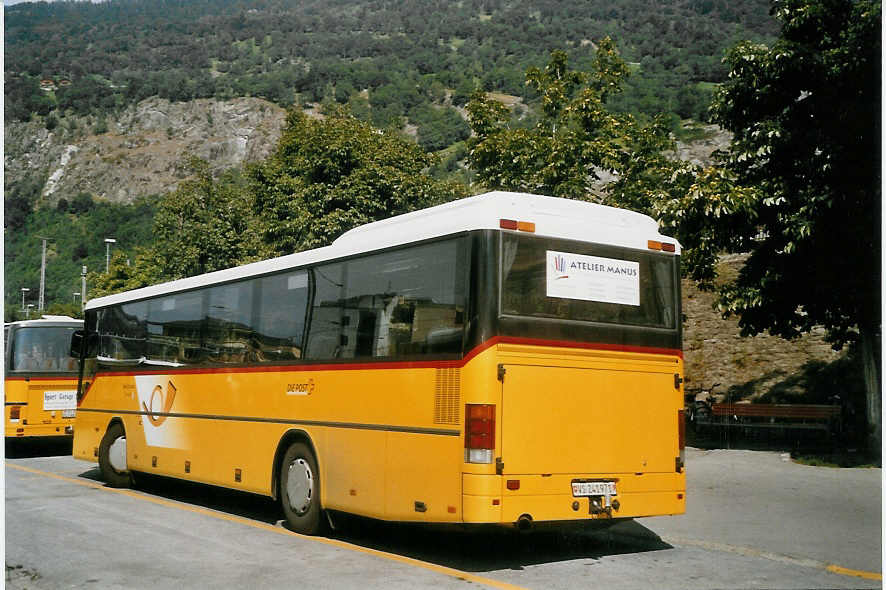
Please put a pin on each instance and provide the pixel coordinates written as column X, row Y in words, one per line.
column 805, row 416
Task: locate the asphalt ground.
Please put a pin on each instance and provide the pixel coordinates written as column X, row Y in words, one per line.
column 754, row 520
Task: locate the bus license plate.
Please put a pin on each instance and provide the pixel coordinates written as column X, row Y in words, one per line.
column 69, row 413
column 593, row 488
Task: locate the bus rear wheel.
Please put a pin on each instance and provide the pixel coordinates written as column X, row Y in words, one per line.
column 300, row 490
column 112, row 457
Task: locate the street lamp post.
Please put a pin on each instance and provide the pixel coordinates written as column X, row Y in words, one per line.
column 24, row 290
column 76, row 294
column 108, row 242
column 30, row 305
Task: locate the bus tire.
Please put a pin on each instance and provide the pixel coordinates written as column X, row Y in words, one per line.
column 300, row 490
column 119, row 476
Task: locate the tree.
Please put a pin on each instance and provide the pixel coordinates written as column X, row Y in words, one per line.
column 82, row 203
column 576, row 141
column 806, row 119
column 20, row 202
column 206, row 224
column 125, row 274
column 799, row 188
column 330, row 175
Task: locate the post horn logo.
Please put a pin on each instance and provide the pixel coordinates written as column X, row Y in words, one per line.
column 161, row 404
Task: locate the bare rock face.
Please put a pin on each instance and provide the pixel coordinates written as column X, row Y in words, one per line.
column 699, row 152
column 144, row 148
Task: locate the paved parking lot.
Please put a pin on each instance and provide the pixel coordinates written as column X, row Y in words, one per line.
column 753, row 520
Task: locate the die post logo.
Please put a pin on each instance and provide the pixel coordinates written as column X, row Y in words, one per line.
column 160, row 403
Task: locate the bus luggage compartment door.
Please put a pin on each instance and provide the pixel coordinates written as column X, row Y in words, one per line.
column 588, row 420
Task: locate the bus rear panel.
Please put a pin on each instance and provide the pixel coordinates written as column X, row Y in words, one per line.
column 41, row 379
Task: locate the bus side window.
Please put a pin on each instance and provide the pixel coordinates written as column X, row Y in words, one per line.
column 328, row 320
column 228, row 329
column 282, row 307
column 175, row 328
column 404, row 302
column 122, row 329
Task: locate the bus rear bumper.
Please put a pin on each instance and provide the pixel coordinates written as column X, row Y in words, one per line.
column 40, row 431
column 524, row 500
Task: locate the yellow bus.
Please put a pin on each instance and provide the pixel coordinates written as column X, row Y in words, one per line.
column 40, row 386
column 506, row 359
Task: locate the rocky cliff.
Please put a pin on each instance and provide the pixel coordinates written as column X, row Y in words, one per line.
column 141, row 151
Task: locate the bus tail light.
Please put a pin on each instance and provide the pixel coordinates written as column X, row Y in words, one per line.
column 15, row 412
column 479, row 433
column 663, row 246
column 681, row 440
column 527, row 226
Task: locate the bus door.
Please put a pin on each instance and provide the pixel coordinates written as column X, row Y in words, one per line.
column 570, row 420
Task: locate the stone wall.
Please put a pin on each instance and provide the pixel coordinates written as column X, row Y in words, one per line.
column 715, row 352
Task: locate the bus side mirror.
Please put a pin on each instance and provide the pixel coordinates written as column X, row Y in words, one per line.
column 77, row 339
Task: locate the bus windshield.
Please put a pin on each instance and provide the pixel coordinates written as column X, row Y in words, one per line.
column 583, row 282
column 43, row 349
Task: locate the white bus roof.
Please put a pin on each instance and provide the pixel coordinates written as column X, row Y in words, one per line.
column 554, row 217
column 46, row 320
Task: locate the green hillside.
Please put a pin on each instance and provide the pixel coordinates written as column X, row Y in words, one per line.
column 98, row 57
column 77, row 231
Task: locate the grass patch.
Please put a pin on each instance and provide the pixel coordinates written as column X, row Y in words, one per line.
column 693, row 131
column 838, row 460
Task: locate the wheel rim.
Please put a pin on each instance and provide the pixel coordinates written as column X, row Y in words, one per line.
column 117, row 454
column 300, row 486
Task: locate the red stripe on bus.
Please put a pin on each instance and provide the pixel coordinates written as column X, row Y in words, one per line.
column 439, row 364
column 41, row 379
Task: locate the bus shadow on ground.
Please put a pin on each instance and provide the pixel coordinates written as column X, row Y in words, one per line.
column 474, row 550
column 498, row 548
column 22, row 448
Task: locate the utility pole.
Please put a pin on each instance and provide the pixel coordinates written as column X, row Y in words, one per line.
column 42, row 299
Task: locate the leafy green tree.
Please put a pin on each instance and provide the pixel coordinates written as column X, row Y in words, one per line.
column 806, row 119
column 125, row 274
column 19, row 203
column 206, row 224
column 575, row 140
column 70, row 309
column 328, row 176
column 82, row 203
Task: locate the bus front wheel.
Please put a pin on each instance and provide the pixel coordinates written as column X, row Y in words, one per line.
column 300, row 490
column 112, row 457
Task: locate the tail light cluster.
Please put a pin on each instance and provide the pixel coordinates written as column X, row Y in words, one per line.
column 15, row 412
column 479, row 433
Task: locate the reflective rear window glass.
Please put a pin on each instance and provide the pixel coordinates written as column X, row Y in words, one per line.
column 577, row 281
column 43, row 349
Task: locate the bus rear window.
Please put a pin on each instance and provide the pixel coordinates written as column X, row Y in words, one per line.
column 43, row 349
column 577, row 281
